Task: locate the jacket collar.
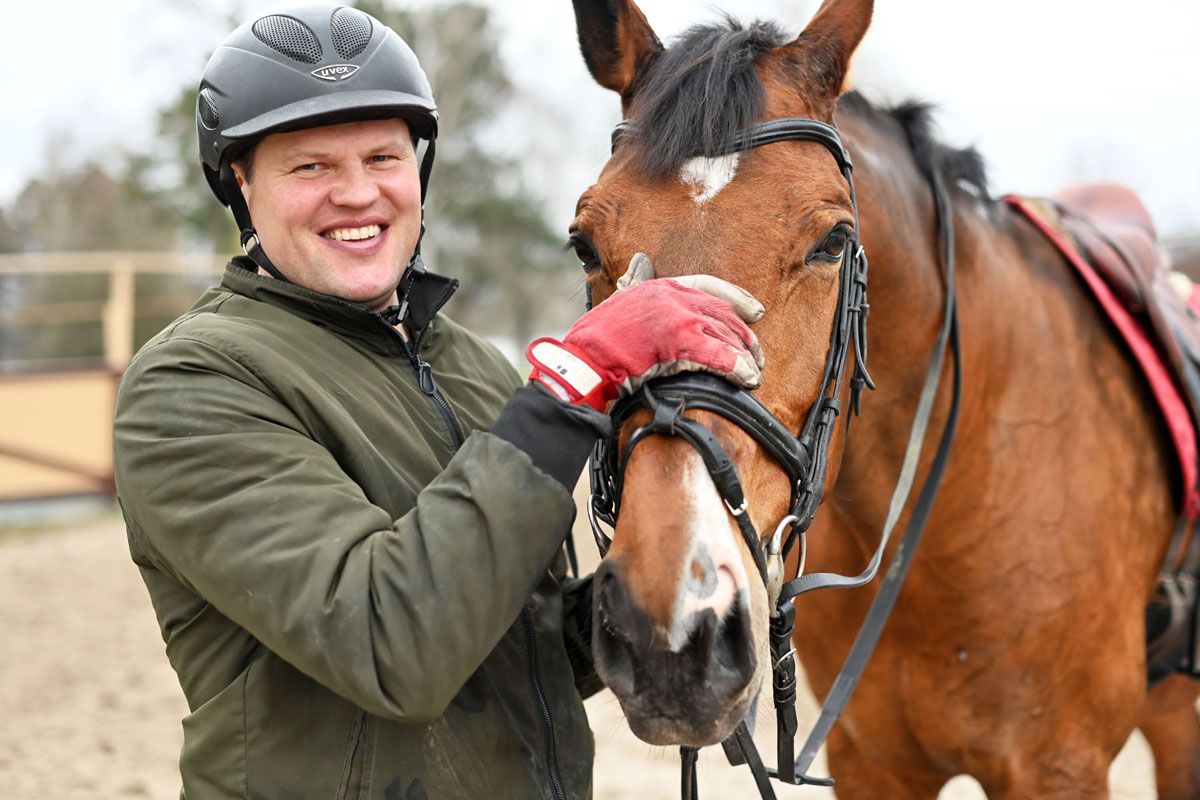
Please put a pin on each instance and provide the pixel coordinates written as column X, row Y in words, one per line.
column 425, row 292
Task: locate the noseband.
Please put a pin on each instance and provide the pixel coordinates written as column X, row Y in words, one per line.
column 804, row 458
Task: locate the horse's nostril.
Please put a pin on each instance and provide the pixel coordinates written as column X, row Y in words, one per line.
column 710, row 647
column 613, row 606
column 733, row 653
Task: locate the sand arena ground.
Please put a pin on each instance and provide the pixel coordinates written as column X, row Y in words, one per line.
column 90, row 710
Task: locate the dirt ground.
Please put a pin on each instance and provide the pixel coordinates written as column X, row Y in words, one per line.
column 89, row 708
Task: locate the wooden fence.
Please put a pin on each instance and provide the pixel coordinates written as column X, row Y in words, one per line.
column 69, row 323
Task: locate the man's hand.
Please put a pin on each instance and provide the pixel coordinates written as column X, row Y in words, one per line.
column 650, row 329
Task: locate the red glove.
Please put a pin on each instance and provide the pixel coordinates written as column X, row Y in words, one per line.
column 656, row 328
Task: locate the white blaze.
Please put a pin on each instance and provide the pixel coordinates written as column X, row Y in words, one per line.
column 708, row 176
column 713, row 552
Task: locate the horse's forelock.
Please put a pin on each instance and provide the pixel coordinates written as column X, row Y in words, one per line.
column 699, row 92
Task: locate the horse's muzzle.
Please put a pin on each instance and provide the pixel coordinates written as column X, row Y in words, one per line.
column 691, row 695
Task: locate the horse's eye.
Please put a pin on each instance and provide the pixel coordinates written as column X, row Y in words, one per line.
column 584, row 250
column 832, row 247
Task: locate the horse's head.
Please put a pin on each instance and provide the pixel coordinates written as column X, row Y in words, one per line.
column 681, row 612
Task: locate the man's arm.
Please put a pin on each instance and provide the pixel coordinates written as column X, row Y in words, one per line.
column 233, row 498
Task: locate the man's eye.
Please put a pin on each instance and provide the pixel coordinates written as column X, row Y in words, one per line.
column 833, row 247
column 313, row 167
column 584, row 251
column 382, row 159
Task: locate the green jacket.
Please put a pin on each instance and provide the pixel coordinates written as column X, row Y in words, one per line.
column 354, row 607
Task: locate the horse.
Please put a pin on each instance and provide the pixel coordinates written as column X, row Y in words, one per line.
column 1016, row 650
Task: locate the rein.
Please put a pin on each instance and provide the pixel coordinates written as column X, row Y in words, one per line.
column 805, row 459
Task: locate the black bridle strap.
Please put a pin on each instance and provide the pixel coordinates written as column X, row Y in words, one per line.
column 701, row 391
column 916, row 436
column 786, row 129
column 881, row 607
column 668, row 420
column 885, row 599
column 688, row 788
column 762, row 776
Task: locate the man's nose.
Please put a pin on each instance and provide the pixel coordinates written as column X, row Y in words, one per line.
column 354, row 187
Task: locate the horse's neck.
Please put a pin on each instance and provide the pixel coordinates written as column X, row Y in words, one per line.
column 907, row 296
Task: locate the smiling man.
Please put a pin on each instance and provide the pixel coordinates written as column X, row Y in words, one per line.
column 347, row 509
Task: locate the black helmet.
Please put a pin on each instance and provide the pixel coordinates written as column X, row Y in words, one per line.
column 301, row 69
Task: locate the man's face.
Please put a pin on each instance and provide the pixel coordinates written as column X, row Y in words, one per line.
column 338, row 208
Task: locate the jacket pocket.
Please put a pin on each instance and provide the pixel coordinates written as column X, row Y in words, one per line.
column 301, row 738
column 213, row 761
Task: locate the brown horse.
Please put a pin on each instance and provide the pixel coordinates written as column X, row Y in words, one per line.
column 1016, row 652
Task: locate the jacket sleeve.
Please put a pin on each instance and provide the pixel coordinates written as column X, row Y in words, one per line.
column 229, row 495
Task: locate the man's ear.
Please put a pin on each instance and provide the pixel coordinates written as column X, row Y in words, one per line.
column 238, row 174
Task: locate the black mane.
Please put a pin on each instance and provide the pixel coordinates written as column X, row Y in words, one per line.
column 961, row 168
column 705, row 87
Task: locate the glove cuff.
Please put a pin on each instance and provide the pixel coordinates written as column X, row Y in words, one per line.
column 569, row 373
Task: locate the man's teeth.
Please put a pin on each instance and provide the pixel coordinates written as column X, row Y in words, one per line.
column 354, row 234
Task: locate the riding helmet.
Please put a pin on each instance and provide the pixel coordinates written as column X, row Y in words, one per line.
column 304, row 68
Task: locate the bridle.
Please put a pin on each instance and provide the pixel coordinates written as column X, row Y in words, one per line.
column 804, row 458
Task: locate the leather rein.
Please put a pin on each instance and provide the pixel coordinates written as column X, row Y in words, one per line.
column 805, row 460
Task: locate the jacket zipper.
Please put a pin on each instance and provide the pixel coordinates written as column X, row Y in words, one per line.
column 547, row 721
column 425, row 380
column 429, row 386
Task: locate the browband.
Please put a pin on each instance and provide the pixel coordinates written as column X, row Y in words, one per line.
column 773, row 131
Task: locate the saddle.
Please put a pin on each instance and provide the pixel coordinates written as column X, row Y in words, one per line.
column 1107, row 235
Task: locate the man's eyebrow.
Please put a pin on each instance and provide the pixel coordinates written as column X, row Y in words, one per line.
column 308, row 154
column 305, row 155
column 388, row 145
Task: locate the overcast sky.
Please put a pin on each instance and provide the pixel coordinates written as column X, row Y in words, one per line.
column 1051, row 91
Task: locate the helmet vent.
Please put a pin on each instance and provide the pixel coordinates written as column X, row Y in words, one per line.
column 207, row 109
column 288, row 36
column 351, row 31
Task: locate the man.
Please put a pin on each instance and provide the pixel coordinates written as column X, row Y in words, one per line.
column 346, row 508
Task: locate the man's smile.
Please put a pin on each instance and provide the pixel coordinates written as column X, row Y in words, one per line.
column 353, row 234
column 360, row 237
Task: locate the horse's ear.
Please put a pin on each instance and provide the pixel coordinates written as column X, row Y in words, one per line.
column 617, row 42
column 827, row 44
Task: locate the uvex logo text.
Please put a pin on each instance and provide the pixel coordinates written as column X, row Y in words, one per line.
column 335, row 72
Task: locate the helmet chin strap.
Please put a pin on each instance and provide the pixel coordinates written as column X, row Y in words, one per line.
column 415, row 263
column 252, row 247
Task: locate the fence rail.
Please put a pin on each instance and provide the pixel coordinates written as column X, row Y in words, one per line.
column 69, row 324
